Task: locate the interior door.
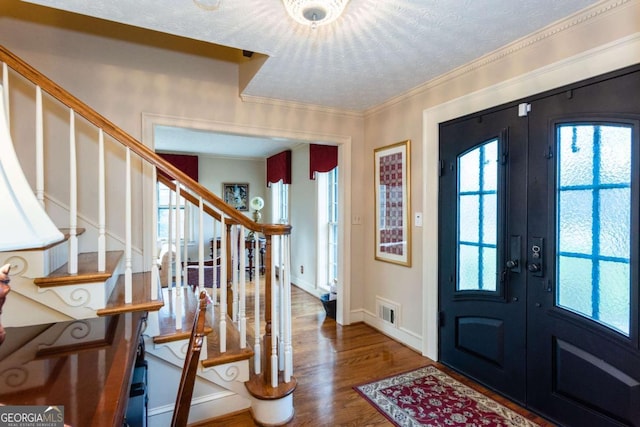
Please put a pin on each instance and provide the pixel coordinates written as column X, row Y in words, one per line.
column 559, row 333
column 482, row 232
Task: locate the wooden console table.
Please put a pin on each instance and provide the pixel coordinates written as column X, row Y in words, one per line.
column 83, row 365
column 249, row 246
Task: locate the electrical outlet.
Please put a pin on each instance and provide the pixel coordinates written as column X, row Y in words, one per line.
column 302, row 269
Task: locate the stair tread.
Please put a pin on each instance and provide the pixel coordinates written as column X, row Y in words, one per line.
column 87, row 270
column 166, row 315
column 168, row 332
column 234, row 353
column 141, row 298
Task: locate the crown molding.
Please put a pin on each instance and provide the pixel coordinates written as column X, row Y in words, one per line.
column 301, row 106
column 578, row 18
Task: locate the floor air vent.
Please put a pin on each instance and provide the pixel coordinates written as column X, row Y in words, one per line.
column 388, row 311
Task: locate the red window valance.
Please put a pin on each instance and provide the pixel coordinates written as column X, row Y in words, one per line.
column 279, row 168
column 322, row 158
column 187, row 164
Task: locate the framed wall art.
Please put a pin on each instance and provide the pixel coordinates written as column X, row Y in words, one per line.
column 236, row 195
column 393, row 203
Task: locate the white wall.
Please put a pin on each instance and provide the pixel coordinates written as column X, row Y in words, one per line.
column 303, row 202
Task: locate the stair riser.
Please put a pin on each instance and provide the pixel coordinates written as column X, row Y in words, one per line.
column 28, row 304
column 213, row 397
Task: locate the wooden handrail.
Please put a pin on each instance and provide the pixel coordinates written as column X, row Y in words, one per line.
column 166, row 181
column 93, row 117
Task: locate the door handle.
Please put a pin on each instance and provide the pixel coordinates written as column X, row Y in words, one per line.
column 513, row 263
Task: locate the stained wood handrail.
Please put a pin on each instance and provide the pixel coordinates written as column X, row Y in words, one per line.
column 93, row 117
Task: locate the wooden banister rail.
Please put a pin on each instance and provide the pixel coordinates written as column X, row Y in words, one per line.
column 93, row 117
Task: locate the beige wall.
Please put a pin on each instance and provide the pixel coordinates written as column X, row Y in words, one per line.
column 122, row 80
column 595, row 32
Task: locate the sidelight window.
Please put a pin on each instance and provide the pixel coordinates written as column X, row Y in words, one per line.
column 593, row 222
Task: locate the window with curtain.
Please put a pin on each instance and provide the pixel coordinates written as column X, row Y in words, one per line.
column 327, row 242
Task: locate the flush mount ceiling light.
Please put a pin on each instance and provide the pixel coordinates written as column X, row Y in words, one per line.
column 315, row 12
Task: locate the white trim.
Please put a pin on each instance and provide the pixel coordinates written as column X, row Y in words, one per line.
column 609, row 57
column 149, row 120
column 399, row 334
column 300, row 106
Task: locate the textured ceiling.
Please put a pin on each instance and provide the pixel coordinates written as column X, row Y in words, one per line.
column 377, row 50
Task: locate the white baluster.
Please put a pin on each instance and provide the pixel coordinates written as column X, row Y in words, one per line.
column 178, row 269
column 128, row 272
column 39, row 148
column 185, row 247
column 288, row 349
column 223, row 286
column 170, row 255
column 214, row 256
column 242, row 320
column 73, row 196
column 155, row 273
column 102, row 213
column 281, row 305
column 40, row 162
column 274, row 329
column 257, row 315
column 234, row 273
column 201, row 244
column 177, row 303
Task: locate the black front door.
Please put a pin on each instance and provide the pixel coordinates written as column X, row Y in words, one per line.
column 539, row 215
column 483, row 224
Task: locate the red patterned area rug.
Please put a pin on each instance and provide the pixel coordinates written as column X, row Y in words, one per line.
column 429, row 397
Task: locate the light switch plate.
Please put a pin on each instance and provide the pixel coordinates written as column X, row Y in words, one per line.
column 418, row 219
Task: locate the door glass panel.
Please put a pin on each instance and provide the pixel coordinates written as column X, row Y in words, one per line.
column 593, row 222
column 477, row 218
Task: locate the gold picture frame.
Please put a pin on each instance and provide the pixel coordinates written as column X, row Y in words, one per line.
column 392, row 182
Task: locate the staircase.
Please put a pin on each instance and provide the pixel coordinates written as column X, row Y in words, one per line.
column 100, row 192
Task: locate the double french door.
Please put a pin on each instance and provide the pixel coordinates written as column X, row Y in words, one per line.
column 538, row 250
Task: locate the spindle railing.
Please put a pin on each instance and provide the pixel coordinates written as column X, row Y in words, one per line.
column 229, row 224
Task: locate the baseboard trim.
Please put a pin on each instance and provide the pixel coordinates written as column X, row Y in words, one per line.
column 203, row 408
column 404, row 336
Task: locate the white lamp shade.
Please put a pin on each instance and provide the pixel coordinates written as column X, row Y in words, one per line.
column 25, row 224
column 257, row 203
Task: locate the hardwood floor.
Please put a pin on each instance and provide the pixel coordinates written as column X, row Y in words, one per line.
column 330, row 359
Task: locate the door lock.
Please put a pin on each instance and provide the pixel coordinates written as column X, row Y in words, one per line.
column 535, row 265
